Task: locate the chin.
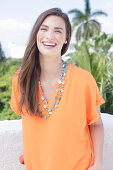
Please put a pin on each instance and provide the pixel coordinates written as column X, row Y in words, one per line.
column 49, row 54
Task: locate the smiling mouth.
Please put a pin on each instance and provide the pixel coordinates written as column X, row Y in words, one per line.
column 50, row 45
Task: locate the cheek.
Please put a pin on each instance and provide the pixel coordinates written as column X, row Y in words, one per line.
column 39, row 36
column 61, row 39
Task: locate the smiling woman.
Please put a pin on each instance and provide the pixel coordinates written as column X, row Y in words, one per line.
column 51, row 35
column 57, row 102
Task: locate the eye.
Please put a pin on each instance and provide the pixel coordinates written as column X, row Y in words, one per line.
column 58, row 31
column 43, row 29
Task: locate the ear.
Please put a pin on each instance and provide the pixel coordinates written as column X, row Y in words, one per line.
column 65, row 42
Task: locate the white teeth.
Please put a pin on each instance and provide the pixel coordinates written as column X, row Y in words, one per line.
column 49, row 44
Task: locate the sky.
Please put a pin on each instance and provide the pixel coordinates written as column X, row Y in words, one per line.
column 17, row 18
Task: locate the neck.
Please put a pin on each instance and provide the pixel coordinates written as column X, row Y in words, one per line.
column 50, row 69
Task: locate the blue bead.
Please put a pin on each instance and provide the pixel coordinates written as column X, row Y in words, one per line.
column 56, row 97
column 53, row 105
column 62, row 74
column 42, row 97
column 44, row 106
column 63, row 82
column 57, row 90
column 45, row 117
column 40, row 111
column 61, row 90
column 63, row 65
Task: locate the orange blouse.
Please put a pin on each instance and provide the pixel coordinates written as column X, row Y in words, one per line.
column 62, row 141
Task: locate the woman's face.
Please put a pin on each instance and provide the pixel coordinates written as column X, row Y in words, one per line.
column 51, row 36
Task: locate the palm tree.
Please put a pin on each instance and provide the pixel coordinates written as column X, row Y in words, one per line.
column 86, row 25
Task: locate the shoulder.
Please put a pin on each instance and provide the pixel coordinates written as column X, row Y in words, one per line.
column 15, row 76
column 16, row 73
column 80, row 74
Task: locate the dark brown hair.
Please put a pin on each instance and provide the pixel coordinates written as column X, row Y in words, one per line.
column 30, row 69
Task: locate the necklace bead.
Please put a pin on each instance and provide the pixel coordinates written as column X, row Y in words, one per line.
column 60, row 86
column 45, row 106
column 59, row 81
column 61, row 90
column 43, row 97
column 45, row 117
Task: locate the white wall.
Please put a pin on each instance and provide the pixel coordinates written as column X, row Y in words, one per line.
column 11, row 145
column 108, row 141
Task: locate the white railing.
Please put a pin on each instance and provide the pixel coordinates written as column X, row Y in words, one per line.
column 11, row 143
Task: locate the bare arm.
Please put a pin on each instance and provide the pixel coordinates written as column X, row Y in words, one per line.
column 97, row 135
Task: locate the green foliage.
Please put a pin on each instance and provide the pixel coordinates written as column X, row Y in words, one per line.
column 7, row 69
column 2, row 55
column 8, row 114
column 96, row 57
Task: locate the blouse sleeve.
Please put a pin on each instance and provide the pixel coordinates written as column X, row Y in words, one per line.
column 93, row 99
column 14, row 104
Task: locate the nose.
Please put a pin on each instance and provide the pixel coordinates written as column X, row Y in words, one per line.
column 50, row 34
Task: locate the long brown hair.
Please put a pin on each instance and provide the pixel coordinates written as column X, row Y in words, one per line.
column 30, row 69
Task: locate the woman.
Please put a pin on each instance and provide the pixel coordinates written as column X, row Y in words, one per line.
column 58, row 102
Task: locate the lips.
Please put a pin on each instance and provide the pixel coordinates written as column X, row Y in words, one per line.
column 49, row 44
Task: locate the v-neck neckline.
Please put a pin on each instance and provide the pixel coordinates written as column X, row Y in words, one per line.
column 47, row 103
column 51, row 101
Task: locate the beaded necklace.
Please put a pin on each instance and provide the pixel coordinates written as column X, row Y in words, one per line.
column 59, row 91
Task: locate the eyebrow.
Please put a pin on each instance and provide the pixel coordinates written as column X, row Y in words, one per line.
column 54, row 27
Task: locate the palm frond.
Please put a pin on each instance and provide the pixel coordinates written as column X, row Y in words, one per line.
column 77, row 20
column 95, row 26
column 79, row 17
column 75, row 12
column 98, row 13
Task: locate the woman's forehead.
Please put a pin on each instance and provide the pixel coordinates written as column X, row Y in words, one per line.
column 55, row 21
